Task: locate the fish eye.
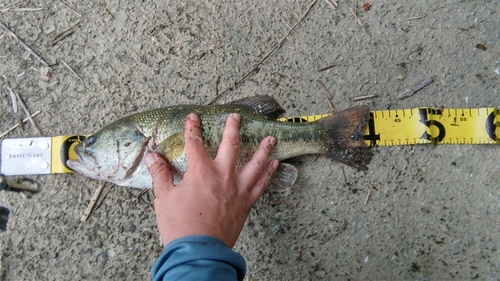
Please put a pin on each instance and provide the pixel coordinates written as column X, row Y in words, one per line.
column 90, row 141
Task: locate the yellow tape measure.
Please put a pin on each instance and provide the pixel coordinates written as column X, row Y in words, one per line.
column 385, row 128
column 427, row 125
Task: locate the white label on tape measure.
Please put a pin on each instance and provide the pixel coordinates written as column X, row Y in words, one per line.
column 29, row 156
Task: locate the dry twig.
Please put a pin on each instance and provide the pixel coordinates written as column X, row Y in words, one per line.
column 31, row 212
column 363, row 97
column 356, row 7
column 328, row 95
column 367, row 196
column 14, row 9
column 266, row 56
column 42, row 61
column 326, row 67
column 13, row 98
column 358, row 20
column 380, row 56
column 68, row 7
column 104, row 196
column 17, row 125
column 71, row 70
column 140, row 194
column 109, row 14
column 94, row 199
column 344, row 182
column 416, row 18
column 415, row 88
column 217, row 86
column 332, row 3
column 356, row 279
column 64, row 34
column 25, row 108
column 298, row 5
column 316, row 158
column 293, row 12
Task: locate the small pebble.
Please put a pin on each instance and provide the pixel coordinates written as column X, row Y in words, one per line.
column 320, row 273
column 400, row 71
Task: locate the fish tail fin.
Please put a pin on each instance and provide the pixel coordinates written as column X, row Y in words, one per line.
column 344, row 133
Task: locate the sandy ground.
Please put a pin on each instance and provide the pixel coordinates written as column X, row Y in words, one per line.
column 433, row 211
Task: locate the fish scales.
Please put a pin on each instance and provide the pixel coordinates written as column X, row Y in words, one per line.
column 294, row 138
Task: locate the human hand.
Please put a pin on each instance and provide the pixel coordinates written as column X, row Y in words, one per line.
column 213, row 198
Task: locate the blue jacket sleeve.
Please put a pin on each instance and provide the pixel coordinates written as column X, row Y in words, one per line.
column 198, row 258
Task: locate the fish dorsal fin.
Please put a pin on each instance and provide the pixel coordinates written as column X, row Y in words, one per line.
column 262, row 105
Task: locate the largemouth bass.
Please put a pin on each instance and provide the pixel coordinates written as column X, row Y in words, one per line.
column 115, row 153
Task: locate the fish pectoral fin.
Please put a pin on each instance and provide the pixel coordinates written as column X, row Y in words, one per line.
column 172, row 147
column 284, row 178
column 262, row 105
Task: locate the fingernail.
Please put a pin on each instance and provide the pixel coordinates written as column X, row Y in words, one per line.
column 236, row 116
column 275, row 164
column 272, row 140
column 193, row 117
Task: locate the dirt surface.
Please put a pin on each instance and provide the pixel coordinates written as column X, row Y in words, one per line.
column 433, row 212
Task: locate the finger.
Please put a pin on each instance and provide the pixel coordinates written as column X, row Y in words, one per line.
column 193, row 143
column 230, row 145
column 160, row 172
column 253, row 169
column 263, row 181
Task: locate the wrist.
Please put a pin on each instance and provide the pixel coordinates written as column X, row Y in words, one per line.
column 171, row 233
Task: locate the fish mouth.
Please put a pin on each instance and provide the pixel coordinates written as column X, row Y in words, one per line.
column 82, row 163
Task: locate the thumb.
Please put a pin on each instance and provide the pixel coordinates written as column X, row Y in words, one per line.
column 160, row 172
